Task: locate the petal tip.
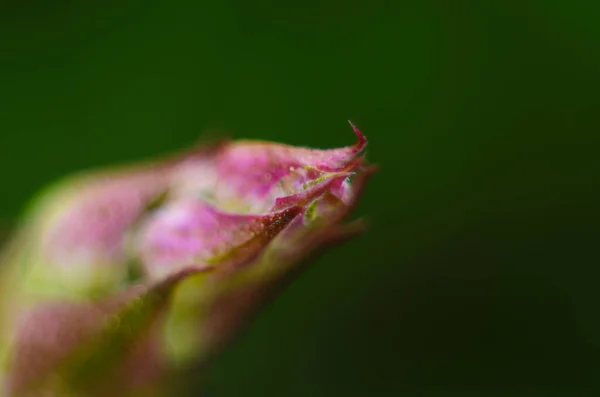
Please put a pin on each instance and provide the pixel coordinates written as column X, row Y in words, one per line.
column 362, row 139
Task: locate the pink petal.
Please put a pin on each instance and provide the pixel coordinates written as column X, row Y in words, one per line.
column 192, row 233
column 90, row 228
column 248, row 176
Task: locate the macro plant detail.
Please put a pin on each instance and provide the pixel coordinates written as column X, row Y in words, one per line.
column 117, row 281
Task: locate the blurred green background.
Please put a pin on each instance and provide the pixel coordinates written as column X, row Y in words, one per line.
column 480, row 274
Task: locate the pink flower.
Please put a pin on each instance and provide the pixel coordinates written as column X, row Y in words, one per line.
column 119, row 279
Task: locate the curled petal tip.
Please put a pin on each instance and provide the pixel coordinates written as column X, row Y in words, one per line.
column 362, row 139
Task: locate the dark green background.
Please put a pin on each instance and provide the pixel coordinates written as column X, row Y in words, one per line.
column 480, row 275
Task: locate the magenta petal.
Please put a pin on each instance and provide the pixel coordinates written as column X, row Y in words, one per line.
column 90, row 229
column 327, row 182
column 192, row 233
column 50, row 332
column 256, row 172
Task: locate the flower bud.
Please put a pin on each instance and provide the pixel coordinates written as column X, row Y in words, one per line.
column 119, row 279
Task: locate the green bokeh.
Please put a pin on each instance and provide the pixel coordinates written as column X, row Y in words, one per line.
column 480, row 274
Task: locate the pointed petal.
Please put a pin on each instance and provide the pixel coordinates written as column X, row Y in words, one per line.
column 250, row 175
column 192, row 233
column 106, row 347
